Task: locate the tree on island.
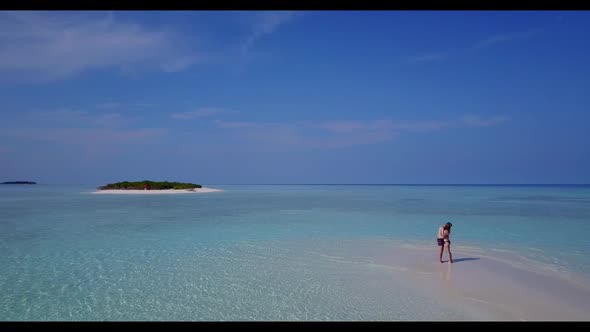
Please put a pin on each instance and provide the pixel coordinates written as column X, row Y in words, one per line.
column 147, row 184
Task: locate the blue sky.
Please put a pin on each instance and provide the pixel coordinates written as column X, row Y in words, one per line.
column 295, row 97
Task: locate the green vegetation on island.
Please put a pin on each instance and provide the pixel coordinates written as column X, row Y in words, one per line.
column 149, row 185
column 19, row 182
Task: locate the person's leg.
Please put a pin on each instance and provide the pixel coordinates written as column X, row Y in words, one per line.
column 440, row 253
column 449, row 252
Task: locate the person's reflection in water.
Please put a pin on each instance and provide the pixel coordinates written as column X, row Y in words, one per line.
column 445, row 271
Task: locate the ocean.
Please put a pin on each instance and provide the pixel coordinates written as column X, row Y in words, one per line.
column 266, row 252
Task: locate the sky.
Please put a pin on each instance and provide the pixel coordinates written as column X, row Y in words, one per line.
column 295, row 97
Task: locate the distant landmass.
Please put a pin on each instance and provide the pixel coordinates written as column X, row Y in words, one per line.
column 19, row 182
column 149, row 185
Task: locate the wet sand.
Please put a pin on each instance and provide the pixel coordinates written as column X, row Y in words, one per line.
column 490, row 286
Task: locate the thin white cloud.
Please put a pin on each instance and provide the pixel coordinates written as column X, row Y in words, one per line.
column 108, row 105
column 109, row 120
column 342, row 126
column 200, row 113
column 487, row 42
column 111, row 105
column 430, row 57
column 478, row 121
column 266, row 23
column 339, row 134
column 502, row 38
column 92, row 135
column 351, row 126
column 84, row 136
column 46, row 46
column 179, row 64
column 65, row 117
column 234, row 124
column 422, row 126
column 310, row 135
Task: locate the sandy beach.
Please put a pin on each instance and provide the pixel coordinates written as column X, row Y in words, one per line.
column 158, row 192
column 490, row 286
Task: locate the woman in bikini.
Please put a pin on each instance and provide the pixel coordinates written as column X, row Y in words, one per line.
column 443, row 240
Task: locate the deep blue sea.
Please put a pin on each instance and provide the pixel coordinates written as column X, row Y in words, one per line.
column 261, row 252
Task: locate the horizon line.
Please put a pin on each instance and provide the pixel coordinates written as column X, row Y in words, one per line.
column 367, row 184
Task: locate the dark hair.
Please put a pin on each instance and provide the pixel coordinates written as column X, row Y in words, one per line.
column 447, row 226
column 450, row 224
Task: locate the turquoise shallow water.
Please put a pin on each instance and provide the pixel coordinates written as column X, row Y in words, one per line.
column 264, row 252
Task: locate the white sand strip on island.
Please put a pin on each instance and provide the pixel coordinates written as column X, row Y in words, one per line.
column 157, row 192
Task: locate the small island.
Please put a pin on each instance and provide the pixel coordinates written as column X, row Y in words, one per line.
column 19, row 182
column 152, row 187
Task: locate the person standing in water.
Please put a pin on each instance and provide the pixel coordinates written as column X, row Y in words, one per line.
column 443, row 240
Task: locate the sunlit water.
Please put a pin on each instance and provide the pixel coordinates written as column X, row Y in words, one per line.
column 262, row 252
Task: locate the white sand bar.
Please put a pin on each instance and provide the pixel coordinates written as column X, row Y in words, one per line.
column 490, row 285
column 158, row 192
